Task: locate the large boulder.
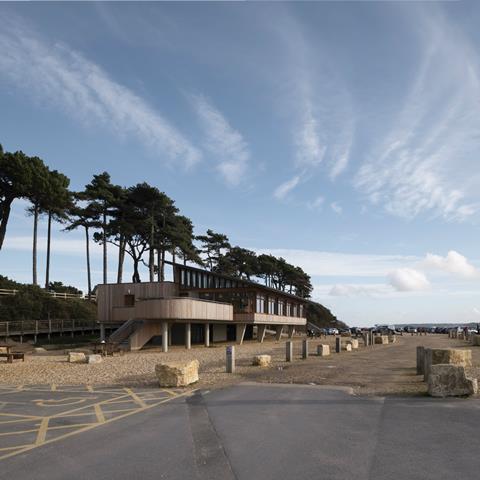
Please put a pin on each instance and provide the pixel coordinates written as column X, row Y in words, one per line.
column 94, row 359
column 262, row 360
column 76, row 357
column 323, row 350
column 450, row 381
column 446, row 356
column 381, row 339
column 177, row 374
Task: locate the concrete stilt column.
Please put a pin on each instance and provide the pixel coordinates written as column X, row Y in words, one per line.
column 240, row 333
column 289, row 351
column 261, row 333
column 305, row 349
column 291, row 331
column 338, row 344
column 188, row 336
column 279, row 331
column 102, row 332
column 165, row 336
column 169, row 335
column 207, row 334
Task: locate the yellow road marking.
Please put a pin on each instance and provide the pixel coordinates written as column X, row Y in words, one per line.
column 87, row 427
column 53, row 387
column 60, row 402
column 89, row 388
column 16, row 447
column 173, row 394
column 17, row 415
column 99, row 414
column 136, row 397
column 42, row 431
column 20, row 420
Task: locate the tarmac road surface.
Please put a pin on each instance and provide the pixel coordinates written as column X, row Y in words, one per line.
column 245, row 432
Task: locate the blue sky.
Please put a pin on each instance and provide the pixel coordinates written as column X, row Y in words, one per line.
column 343, row 136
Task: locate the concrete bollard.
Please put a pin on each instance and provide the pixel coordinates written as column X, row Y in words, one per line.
column 230, row 358
column 338, row 345
column 305, row 349
column 365, row 339
column 420, row 360
column 289, row 351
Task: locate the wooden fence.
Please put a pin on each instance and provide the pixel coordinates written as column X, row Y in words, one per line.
column 65, row 296
column 36, row 327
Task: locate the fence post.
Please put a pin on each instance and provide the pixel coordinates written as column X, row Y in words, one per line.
column 21, row 331
column 49, row 328
column 338, row 344
column 305, row 349
column 36, row 332
column 289, row 351
column 6, row 331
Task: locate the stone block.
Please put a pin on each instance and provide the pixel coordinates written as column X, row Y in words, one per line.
column 392, row 338
column 39, row 350
column 94, row 359
column 353, row 342
column 381, row 340
column 76, row 357
column 323, row 350
column 450, row 381
column 262, row 360
column 446, row 356
column 476, row 340
column 348, row 347
column 177, row 374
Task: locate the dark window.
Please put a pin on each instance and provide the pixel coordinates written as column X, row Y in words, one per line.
column 129, row 300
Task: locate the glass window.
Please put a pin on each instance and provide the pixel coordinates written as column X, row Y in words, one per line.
column 281, row 307
column 260, row 304
column 271, row 306
column 294, row 314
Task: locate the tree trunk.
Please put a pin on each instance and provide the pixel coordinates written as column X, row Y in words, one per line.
column 136, row 274
column 151, row 254
column 6, row 207
column 89, row 274
column 104, row 246
column 162, row 271
column 34, row 247
column 49, row 240
column 121, row 259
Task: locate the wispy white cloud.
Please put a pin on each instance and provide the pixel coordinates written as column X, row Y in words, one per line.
column 408, row 280
column 223, row 141
column 336, row 207
column 453, row 262
column 317, row 203
column 427, row 161
column 56, row 74
column 349, row 290
column 286, row 187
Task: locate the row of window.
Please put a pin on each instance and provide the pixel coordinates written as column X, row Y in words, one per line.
column 277, row 306
column 192, row 279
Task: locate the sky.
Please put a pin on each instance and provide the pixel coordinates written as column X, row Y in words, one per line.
column 342, row 136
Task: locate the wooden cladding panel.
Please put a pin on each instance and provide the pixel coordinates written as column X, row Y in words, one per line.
column 183, row 309
column 265, row 318
column 113, row 295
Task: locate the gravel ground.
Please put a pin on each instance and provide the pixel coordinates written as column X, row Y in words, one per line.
column 382, row 369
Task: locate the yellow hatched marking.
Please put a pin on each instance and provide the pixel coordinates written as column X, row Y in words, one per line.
column 170, row 392
column 99, row 414
column 53, row 387
column 42, row 431
column 136, row 398
column 17, row 415
column 89, row 388
column 84, row 429
column 19, row 420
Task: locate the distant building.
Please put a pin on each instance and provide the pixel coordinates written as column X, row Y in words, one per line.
column 198, row 307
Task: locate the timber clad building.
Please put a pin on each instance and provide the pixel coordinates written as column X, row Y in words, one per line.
column 197, row 307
